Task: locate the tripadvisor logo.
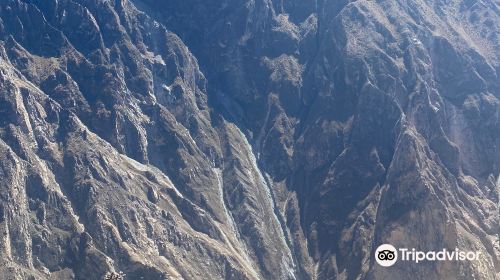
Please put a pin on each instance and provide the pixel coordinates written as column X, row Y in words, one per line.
column 387, row 255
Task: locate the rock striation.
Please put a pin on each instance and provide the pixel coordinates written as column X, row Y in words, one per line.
column 247, row 139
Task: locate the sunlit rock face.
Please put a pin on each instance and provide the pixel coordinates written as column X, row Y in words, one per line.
column 247, row 139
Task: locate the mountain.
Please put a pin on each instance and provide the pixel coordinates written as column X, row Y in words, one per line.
column 248, row 139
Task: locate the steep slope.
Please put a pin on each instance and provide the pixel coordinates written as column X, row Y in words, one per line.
column 366, row 114
column 99, row 105
column 294, row 139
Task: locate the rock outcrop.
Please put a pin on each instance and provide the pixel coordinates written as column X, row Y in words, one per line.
column 254, row 139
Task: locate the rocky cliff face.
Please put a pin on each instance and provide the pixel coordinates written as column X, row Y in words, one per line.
column 248, row 139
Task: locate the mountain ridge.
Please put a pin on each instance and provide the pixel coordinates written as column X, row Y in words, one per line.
column 247, row 139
